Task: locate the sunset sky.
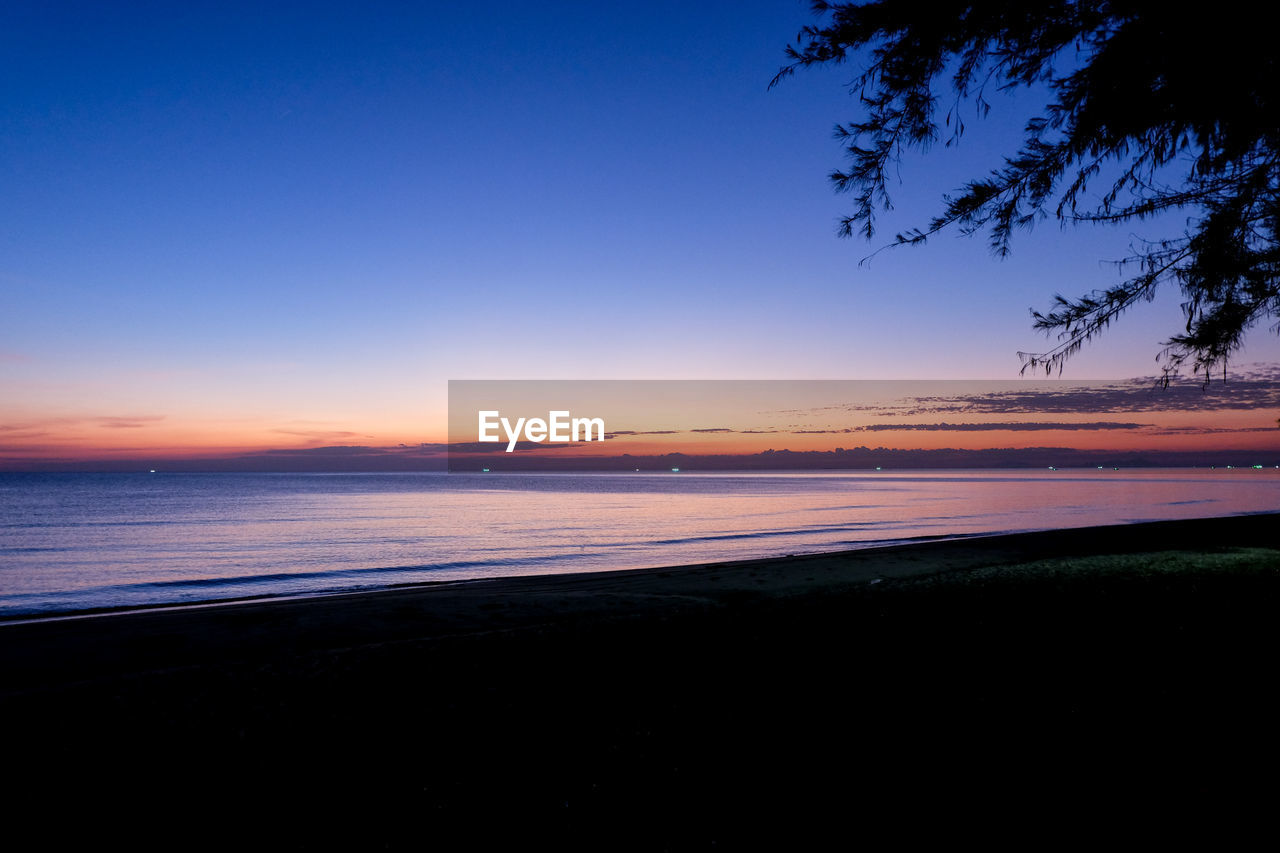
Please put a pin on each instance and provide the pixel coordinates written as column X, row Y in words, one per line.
column 232, row 227
column 738, row 417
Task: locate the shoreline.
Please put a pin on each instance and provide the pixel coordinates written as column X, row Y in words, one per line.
column 528, row 601
column 873, row 546
column 1057, row 669
column 267, row 598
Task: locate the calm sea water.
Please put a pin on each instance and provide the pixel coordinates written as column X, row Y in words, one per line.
column 74, row 541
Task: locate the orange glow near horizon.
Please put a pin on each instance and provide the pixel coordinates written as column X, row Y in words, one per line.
column 169, row 438
column 1162, row 431
column 656, row 418
column 745, row 418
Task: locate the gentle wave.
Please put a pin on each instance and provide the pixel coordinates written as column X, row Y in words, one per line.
column 73, row 542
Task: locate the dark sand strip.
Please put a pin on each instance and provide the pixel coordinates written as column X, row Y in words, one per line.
column 1126, row 667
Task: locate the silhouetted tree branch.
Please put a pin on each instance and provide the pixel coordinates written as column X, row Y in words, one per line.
column 1170, row 111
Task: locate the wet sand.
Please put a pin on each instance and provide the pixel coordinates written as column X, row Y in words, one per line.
column 1066, row 672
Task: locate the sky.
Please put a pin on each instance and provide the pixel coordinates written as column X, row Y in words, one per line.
column 1183, row 424
column 233, row 227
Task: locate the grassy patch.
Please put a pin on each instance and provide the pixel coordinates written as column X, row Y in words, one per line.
column 1143, row 566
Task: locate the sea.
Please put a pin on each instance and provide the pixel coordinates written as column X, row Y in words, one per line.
column 82, row 542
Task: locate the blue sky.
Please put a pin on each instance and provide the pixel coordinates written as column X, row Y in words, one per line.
column 254, row 218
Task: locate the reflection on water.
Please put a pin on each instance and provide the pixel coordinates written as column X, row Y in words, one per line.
column 70, row 541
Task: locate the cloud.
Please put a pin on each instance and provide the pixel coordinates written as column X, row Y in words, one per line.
column 105, row 421
column 617, row 432
column 1250, row 389
column 402, row 451
column 127, row 421
column 1023, row 426
column 24, row 429
column 1253, row 390
column 1197, row 430
column 499, row 448
column 328, row 436
column 330, row 450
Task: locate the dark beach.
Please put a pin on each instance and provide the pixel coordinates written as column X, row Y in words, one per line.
column 1063, row 673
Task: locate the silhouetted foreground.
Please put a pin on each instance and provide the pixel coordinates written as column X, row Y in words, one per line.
column 678, row 708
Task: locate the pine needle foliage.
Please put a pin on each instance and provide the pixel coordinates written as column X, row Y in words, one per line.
column 1149, row 109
